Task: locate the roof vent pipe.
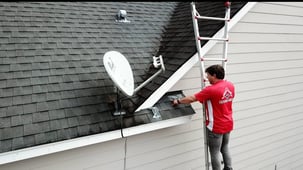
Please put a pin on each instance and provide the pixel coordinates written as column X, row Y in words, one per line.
column 122, row 16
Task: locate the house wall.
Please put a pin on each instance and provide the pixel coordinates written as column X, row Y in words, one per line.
column 265, row 64
column 176, row 148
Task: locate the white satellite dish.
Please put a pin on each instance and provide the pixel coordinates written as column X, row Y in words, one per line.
column 119, row 70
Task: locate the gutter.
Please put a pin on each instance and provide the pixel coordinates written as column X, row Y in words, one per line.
column 41, row 150
column 31, row 152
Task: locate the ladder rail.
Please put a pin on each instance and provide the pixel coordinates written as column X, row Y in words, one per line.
column 202, row 68
column 226, row 24
column 198, row 43
column 225, row 39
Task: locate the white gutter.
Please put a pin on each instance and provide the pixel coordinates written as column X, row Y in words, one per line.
column 32, row 152
column 36, row 151
column 192, row 61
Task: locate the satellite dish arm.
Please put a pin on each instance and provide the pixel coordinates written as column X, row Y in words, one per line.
column 147, row 81
column 158, row 61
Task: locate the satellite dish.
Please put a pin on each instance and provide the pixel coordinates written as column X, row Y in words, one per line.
column 119, row 70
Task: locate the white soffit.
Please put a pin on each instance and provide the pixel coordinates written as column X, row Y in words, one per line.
column 192, row 61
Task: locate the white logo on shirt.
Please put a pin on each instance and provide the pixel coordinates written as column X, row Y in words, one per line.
column 227, row 96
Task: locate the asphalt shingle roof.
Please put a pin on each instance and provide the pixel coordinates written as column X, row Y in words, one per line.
column 53, row 85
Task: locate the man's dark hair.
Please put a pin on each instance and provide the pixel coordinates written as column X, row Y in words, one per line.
column 217, row 70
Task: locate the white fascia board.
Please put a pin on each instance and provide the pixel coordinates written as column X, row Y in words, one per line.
column 41, row 150
column 192, row 61
column 155, row 125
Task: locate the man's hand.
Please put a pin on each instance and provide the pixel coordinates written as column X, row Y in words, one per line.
column 184, row 100
column 175, row 102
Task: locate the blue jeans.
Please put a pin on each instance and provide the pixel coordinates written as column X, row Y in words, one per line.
column 218, row 143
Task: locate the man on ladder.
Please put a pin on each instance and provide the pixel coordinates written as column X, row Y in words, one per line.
column 216, row 99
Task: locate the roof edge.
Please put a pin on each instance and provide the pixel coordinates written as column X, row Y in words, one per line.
column 36, row 151
column 32, row 152
column 154, row 97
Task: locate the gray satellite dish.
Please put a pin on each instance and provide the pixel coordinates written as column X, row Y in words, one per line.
column 120, row 72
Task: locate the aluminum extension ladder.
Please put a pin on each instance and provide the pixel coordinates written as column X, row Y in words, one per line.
column 224, row 38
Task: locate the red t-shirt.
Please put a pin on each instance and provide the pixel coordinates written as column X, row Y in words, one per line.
column 218, row 103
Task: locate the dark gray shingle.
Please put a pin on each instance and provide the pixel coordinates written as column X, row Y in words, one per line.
column 53, row 83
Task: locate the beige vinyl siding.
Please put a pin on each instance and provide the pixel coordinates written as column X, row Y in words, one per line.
column 166, row 149
column 190, row 84
column 266, row 65
column 266, row 59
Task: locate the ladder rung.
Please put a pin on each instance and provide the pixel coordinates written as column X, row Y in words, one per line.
column 211, row 38
column 213, row 59
column 211, row 18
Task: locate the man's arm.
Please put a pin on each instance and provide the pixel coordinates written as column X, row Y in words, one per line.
column 184, row 100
